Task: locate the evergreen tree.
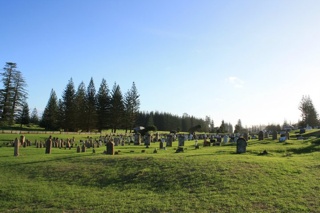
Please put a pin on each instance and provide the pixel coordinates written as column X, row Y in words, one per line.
column 238, row 127
column 91, row 113
column 222, row 128
column 60, row 114
column 117, row 108
column 206, row 126
column 13, row 95
column 211, row 126
column 308, row 112
column 132, row 105
column 103, row 106
column 68, row 104
column 50, row 115
column 34, row 117
column 23, row 116
column 80, row 107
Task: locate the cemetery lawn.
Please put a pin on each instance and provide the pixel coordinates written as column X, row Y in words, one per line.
column 209, row 179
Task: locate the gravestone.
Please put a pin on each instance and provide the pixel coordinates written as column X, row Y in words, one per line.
column 225, row 139
column 16, row 147
column 218, row 140
column 266, row 134
column 110, row 148
column 23, row 140
column 83, row 148
column 287, row 135
column 235, row 138
column 282, row 138
column 302, row 130
column 25, row 144
column 169, row 141
column 274, row 135
column 241, row 145
column 161, row 143
column 116, row 141
column 137, row 139
column 157, row 137
column 260, row 136
column 181, row 140
column 206, row 143
column 147, row 140
column 78, row 149
column 48, row 145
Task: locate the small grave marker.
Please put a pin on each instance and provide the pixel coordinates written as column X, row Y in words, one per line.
column 48, row 145
column 110, row 148
column 16, row 147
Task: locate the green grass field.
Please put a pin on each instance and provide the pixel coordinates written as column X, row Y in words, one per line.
column 209, row 179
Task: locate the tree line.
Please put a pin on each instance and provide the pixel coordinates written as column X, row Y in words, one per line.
column 84, row 109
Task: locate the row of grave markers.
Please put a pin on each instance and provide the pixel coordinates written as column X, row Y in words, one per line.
column 136, row 139
column 55, row 142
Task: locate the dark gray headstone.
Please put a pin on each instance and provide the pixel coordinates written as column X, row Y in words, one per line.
column 48, row 145
column 147, row 140
column 260, row 136
column 16, row 147
column 287, row 135
column 181, row 140
column 241, row 145
column 137, row 139
column 169, row 141
column 110, row 148
column 274, row 135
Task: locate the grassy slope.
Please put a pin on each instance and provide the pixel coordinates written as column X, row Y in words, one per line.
column 211, row 179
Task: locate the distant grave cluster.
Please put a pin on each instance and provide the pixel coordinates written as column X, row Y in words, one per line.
column 164, row 140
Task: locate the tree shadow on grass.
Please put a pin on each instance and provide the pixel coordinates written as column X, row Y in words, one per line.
column 314, row 147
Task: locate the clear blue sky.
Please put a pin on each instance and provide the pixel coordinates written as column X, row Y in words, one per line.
column 248, row 60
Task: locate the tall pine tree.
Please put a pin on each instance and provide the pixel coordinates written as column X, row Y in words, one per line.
column 49, row 118
column 91, row 113
column 117, row 108
column 68, row 104
column 131, row 105
column 103, row 106
column 80, row 108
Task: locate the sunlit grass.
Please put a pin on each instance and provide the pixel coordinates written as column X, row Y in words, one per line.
column 209, row 179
